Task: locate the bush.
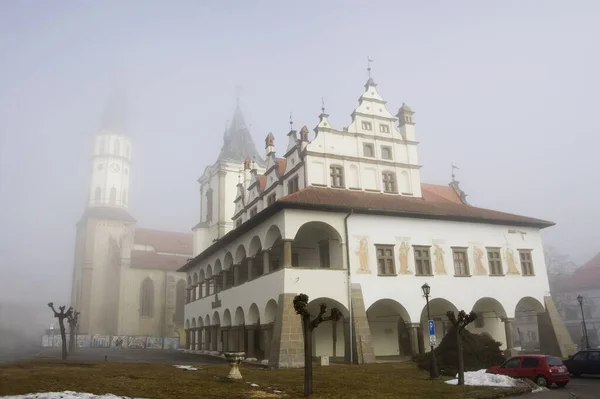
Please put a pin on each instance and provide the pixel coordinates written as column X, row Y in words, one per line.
column 480, row 351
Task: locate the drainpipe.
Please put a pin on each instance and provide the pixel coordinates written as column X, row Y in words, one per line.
column 349, row 285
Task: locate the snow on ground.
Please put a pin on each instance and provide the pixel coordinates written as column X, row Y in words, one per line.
column 483, row 379
column 190, row 368
column 65, row 395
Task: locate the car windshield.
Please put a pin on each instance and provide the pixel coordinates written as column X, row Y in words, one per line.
column 554, row 361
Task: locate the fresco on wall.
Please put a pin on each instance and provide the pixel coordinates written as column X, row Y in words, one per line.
column 101, row 341
column 480, row 270
column 154, row 343
column 509, row 257
column 136, row 342
column 438, row 254
column 363, row 256
column 119, row 341
column 83, row 341
column 403, row 255
column 171, row 343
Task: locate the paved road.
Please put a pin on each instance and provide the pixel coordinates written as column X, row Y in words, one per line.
column 578, row 388
column 115, row 355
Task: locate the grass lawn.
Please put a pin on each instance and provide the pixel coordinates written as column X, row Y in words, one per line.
column 158, row 381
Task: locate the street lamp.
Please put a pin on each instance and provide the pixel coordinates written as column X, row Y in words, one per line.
column 433, row 368
column 585, row 334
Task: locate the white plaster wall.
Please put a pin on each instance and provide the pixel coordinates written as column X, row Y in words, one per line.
column 463, row 292
column 101, row 174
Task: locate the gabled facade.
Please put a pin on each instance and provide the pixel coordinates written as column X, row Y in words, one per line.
column 343, row 217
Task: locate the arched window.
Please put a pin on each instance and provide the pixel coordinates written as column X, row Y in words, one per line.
column 116, row 147
column 113, row 195
column 124, row 197
column 179, row 302
column 98, row 194
column 147, row 298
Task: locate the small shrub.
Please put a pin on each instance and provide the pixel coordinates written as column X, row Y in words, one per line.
column 480, row 352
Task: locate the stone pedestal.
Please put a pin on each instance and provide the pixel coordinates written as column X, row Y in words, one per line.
column 234, row 359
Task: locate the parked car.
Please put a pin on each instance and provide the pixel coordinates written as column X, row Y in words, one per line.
column 542, row 369
column 584, row 362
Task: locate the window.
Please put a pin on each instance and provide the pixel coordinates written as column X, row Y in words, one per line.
column 526, row 263
column 385, row 260
column 386, row 152
column 530, row 362
column 594, row 356
column 368, row 150
column 461, row 262
column 554, row 361
column 512, row 363
column 147, row 298
column 113, row 195
column 495, row 261
column 116, row 147
column 293, row 185
column 238, row 222
column 367, row 126
column 253, row 212
column 389, row 182
column 337, row 175
column 209, row 204
column 422, row 260
column 271, row 199
column 98, row 194
column 384, row 128
column 580, row 356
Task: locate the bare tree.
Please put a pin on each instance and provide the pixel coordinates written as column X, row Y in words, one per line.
column 558, row 266
column 73, row 320
column 61, row 316
column 459, row 325
column 300, row 304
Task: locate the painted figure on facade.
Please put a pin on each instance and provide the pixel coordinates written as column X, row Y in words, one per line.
column 510, row 261
column 403, row 250
column 438, row 252
column 479, row 268
column 363, row 256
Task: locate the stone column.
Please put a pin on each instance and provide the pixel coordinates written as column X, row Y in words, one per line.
column 251, row 331
column 287, row 253
column 193, row 333
column 266, row 330
column 187, row 338
column 241, row 337
column 213, row 338
column 236, row 275
column 207, row 338
column 508, row 331
column 188, row 295
column 250, row 266
column 414, row 337
column 266, row 267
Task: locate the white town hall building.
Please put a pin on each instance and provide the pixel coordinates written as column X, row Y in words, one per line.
column 343, row 217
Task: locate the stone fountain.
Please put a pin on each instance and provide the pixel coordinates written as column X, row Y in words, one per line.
column 234, row 359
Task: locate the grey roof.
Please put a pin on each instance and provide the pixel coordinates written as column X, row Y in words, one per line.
column 115, row 113
column 237, row 142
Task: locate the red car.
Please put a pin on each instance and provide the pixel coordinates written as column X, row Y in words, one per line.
column 543, row 370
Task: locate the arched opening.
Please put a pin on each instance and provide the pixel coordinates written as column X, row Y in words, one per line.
column 240, row 268
column 215, row 342
column 179, row 303
column 226, row 337
column 274, row 246
column 206, row 342
column 253, row 314
column 113, row 196
column 256, row 258
column 390, row 327
column 490, row 319
column 200, row 334
column 147, row 298
column 193, row 334
column 98, row 194
column 210, row 282
column 438, row 309
column 266, row 328
column 202, row 283
column 526, row 333
column 317, row 244
column 218, row 276
column 195, row 287
column 270, row 312
column 330, row 338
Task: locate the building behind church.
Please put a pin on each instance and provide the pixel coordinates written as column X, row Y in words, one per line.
column 343, row 216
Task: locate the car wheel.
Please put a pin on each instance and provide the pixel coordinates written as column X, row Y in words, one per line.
column 562, row 384
column 541, row 381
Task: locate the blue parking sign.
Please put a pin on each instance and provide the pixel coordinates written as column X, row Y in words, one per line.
column 431, row 327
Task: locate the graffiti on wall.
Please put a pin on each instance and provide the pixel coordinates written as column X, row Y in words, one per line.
column 171, row 343
column 136, row 342
column 101, row 341
column 106, row 341
column 154, row 343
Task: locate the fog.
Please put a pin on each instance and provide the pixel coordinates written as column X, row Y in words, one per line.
column 507, row 91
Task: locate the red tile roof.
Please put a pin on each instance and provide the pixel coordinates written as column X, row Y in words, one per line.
column 262, row 182
column 437, row 193
column 428, row 207
column 281, row 163
column 152, row 260
column 165, row 241
column 586, row 277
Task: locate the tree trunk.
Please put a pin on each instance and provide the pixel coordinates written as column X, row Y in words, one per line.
column 307, row 355
column 63, row 336
column 461, row 362
column 72, row 338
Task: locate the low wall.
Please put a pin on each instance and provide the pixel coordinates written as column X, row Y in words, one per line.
column 114, row 341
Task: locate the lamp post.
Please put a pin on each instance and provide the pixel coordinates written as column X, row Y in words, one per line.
column 433, row 368
column 585, row 334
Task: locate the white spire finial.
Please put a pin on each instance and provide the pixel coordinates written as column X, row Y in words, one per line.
column 369, row 61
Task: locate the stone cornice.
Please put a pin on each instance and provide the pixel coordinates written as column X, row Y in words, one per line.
column 372, row 161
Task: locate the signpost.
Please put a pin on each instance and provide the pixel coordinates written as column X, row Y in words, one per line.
column 431, row 325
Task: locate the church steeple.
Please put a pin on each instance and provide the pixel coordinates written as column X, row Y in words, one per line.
column 114, row 118
column 237, row 142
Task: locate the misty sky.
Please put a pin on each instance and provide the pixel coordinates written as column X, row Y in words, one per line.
column 505, row 90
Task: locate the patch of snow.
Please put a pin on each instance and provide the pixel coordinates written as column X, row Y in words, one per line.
column 254, row 385
column 65, row 395
column 482, row 379
column 540, row 389
column 276, row 391
column 251, row 359
column 265, row 361
column 190, row 368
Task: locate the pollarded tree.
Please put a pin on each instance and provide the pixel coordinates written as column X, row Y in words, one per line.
column 459, row 323
column 73, row 320
column 61, row 316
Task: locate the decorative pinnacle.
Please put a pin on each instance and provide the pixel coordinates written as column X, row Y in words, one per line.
column 291, row 122
column 322, row 105
column 369, row 61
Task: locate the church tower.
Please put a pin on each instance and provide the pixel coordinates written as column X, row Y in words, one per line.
column 105, row 230
column 218, row 184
